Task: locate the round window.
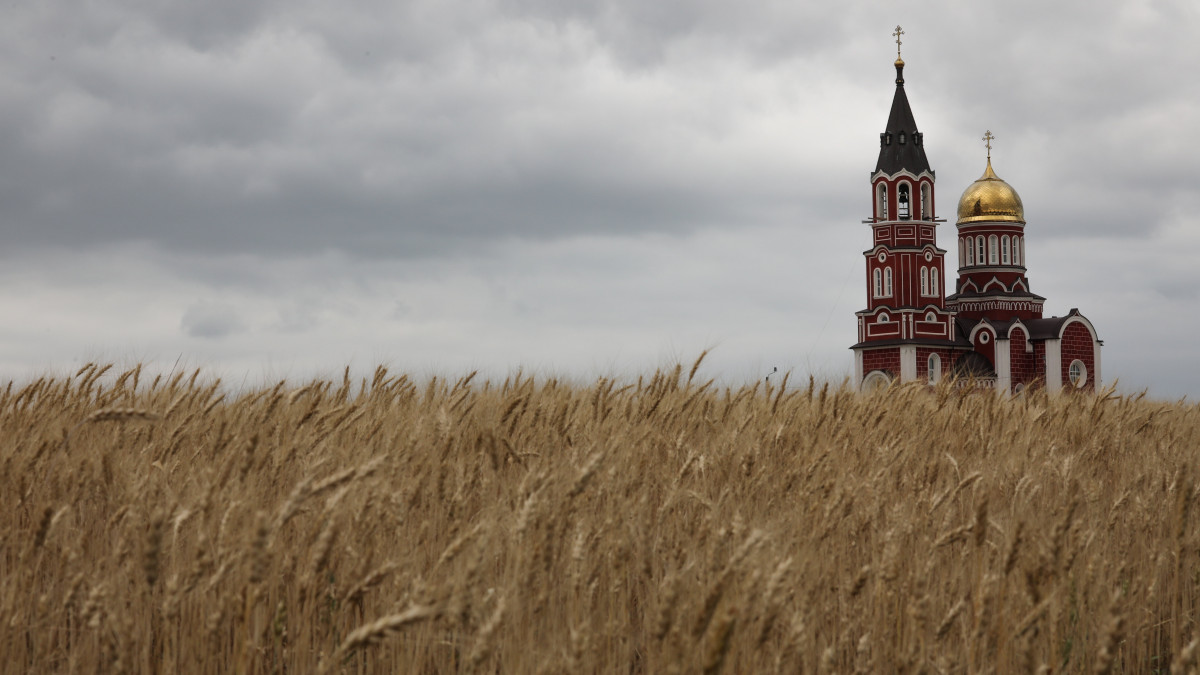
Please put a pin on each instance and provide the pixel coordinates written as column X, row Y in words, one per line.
column 984, row 338
column 1078, row 373
column 883, row 317
column 882, row 256
column 928, row 256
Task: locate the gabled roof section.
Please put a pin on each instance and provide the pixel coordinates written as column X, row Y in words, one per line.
column 901, row 146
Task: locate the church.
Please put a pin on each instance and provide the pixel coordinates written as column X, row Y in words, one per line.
column 990, row 331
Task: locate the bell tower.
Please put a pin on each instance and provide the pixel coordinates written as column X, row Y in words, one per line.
column 906, row 332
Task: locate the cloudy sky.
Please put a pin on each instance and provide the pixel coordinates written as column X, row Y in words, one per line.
column 282, row 188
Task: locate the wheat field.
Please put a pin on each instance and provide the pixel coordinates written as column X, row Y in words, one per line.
column 652, row 525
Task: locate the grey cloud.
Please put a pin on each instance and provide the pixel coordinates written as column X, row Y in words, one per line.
column 210, row 320
column 252, row 130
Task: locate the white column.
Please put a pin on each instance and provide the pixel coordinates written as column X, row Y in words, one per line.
column 1003, row 366
column 1053, row 366
column 858, row 369
column 908, row 363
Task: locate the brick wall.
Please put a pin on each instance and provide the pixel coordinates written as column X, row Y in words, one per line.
column 887, row 359
column 948, row 357
column 1077, row 344
column 1026, row 367
column 989, row 349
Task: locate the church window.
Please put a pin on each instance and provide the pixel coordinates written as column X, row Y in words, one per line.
column 933, row 282
column 881, row 206
column 901, row 138
column 887, row 282
column 926, row 196
column 1005, row 250
column 979, row 250
column 970, row 258
column 884, row 318
column 1018, row 250
column 935, row 368
column 902, row 200
column 993, row 253
column 924, row 281
column 876, row 379
column 985, row 338
column 1077, row 373
column 877, row 277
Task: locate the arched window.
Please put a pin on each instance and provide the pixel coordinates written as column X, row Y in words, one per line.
column 935, row 368
column 924, row 281
column 1077, row 373
column 970, row 259
column 876, row 379
column 962, row 252
column 887, row 283
column 902, row 204
column 877, row 278
column 881, row 202
column 933, row 282
column 979, row 250
column 1005, row 248
column 926, row 201
column 1018, row 244
column 993, row 250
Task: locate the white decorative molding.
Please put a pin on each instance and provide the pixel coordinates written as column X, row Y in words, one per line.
column 1053, row 366
column 1003, row 305
column 1003, row 365
column 908, row 363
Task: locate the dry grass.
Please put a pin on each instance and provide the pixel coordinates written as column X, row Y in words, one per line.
column 654, row 526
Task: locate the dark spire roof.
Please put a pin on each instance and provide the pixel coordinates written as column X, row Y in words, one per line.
column 901, row 146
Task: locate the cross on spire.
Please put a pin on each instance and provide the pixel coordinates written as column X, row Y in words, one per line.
column 898, row 32
column 988, row 137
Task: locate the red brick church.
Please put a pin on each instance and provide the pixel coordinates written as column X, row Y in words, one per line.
column 991, row 329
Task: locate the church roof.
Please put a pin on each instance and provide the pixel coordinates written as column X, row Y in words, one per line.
column 1047, row 328
column 901, row 147
column 990, row 199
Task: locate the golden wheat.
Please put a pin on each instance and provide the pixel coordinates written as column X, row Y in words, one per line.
column 656, row 525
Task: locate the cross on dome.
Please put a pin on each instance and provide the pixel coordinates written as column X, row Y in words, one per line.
column 988, row 137
column 898, row 32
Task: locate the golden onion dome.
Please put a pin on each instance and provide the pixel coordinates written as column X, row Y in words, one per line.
column 990, row 199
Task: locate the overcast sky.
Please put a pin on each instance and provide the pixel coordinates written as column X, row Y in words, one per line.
column 283, row 188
